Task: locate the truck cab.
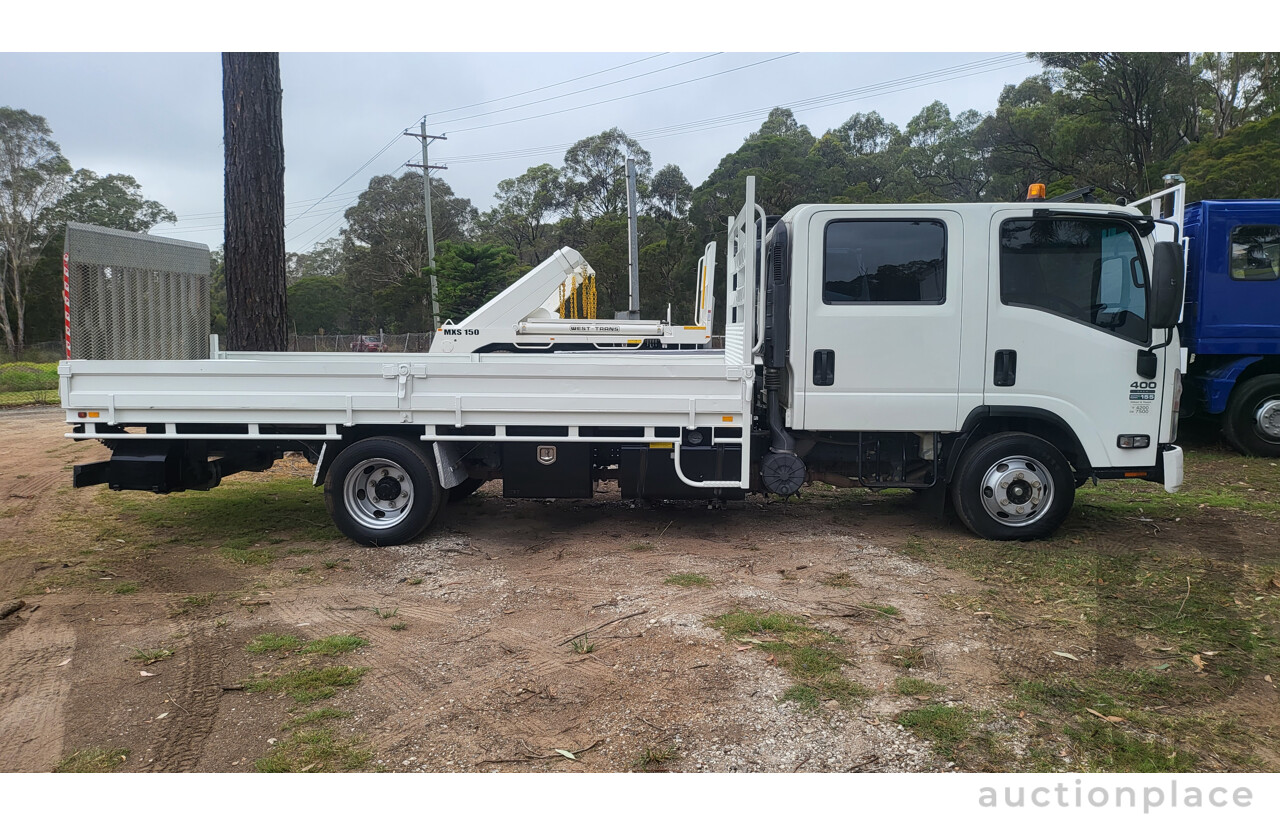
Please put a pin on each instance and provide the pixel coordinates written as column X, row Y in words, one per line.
column 1006, row 352
column 1230, row 326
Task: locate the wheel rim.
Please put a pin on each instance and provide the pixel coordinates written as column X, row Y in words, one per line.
column 1268, row 419
column 378, row 493
column 1017, row 491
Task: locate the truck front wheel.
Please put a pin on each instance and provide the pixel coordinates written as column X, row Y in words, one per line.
column 1252, row 419
column 1013, row 486
column 382, row 491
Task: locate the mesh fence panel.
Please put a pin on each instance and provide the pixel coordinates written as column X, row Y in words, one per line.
column 135, row 296
column 390, row 342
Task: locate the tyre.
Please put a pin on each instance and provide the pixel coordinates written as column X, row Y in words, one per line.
column 465, row 489
column 1252, row 419
column 1012, row 486
column 382, row 491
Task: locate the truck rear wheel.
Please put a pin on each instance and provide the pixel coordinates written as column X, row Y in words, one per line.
column 382, row 491
column 1013, row 486
column 1252, row 419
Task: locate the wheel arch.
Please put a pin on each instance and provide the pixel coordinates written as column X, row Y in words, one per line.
column 988, row 420
column 352, row 435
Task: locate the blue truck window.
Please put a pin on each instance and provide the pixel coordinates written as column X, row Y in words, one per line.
column 1255, row 252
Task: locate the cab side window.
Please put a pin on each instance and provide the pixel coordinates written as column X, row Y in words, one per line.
column 885, row 262
column 1084, row 269
column 1255, row 253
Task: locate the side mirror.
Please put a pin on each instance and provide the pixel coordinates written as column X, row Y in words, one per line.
column 1167, row 283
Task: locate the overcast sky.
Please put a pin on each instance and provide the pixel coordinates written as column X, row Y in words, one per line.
column 158, row 117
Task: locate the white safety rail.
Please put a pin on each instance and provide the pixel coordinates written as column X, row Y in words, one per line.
column 314, row 396
column 1167, row 204
column 740, row 287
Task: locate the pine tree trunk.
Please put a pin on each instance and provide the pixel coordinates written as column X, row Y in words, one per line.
column 253, row 140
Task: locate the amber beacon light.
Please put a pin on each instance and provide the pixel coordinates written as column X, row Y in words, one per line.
column 1035, row 192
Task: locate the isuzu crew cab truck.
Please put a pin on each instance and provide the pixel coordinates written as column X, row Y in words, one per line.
column 999, row 354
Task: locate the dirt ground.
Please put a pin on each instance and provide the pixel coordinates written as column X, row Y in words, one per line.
column 471, row 662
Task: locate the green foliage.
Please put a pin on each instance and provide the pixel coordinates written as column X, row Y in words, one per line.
column 319, row 305
column 1245, row 163
column 469, row 275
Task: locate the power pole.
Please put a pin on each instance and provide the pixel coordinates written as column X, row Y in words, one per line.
column 633, row 243
column 431, row 233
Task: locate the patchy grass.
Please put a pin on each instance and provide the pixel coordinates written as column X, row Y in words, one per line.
column 309, row 685
column 742, row 623
column 949, row 728
column 886, row 609
column 1175, row 596
column 1102, row 746
column 688, row 580
column 271, row 642
column 655, row 758
column 639, row 546
column 241, row 552
column 384, row 613
column 335, row 645
column 328, row 646
column 813, row 658
column 399, row 626
column 416, row 580
column 314, row 751
column 316, row 717
column 151, row 655
column 841, row 580
column 125, row 588
column 93, row 760
column 906, row 657
column 581, row 645
column 911, row 686
column 251, row 520
column 199, row 599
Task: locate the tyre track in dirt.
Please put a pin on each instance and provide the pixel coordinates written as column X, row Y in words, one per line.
column 34, row 689
column 195, row 710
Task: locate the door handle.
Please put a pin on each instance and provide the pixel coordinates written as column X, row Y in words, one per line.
column 1006, row 372
column 824, row 367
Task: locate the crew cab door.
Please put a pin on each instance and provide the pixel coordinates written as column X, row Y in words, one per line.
column 1067, row 310
column 879, row 346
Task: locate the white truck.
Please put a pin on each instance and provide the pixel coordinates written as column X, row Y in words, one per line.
column 996, row 355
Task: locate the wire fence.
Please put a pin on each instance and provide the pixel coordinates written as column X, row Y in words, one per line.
column 404, row 342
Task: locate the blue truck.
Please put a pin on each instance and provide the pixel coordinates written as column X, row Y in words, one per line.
column 1231, row 320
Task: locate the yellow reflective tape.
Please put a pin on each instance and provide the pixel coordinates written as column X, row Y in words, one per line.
column 662, row 445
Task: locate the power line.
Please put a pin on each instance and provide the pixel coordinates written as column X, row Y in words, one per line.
column 291, row 205
column 809, row 104
column 625, row 97
column 577, row 92
column 549, row 86
column 363, row 166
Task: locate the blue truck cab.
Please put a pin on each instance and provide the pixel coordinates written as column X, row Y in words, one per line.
column 1231, row 320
